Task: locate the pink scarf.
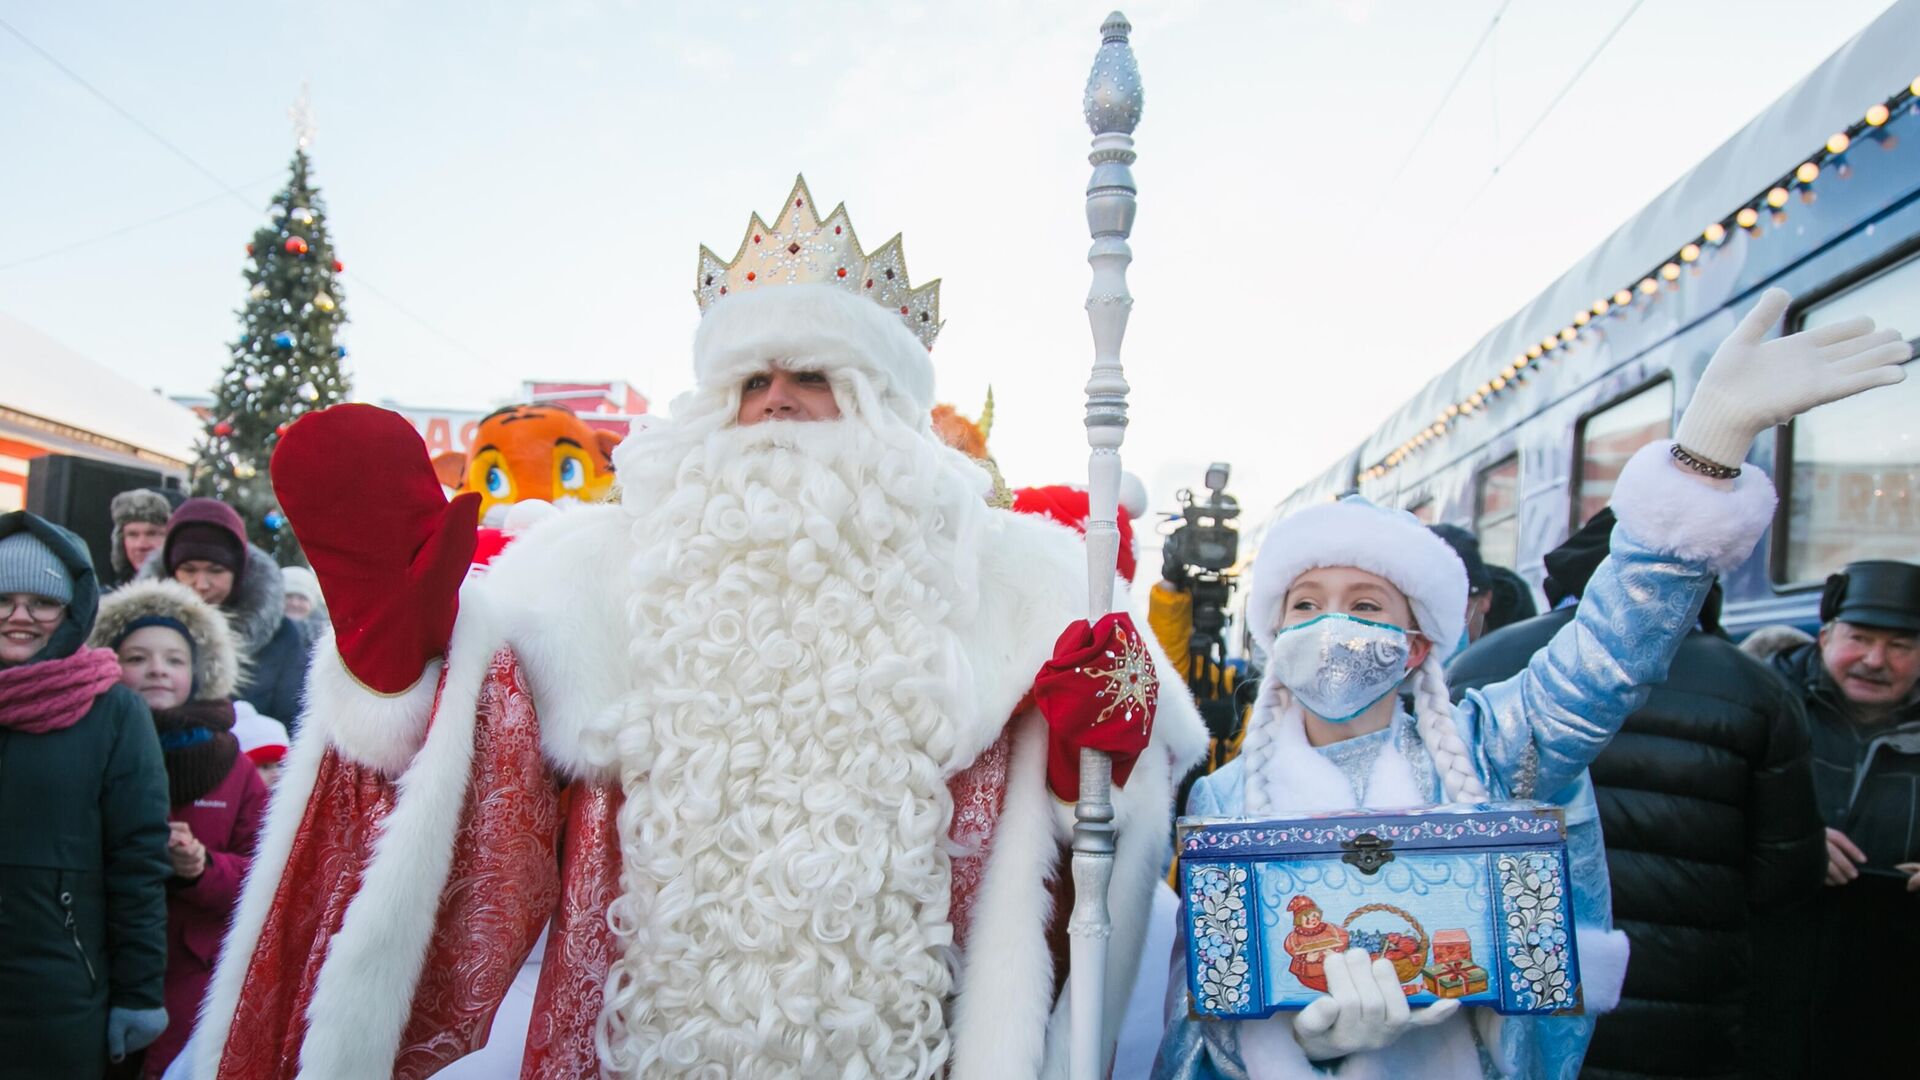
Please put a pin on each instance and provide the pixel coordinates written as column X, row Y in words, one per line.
column 54, row 694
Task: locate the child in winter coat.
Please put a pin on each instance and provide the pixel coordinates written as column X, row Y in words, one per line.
column 83, row 824
column 178, row 654
column 1352, row 600
column 206, row 549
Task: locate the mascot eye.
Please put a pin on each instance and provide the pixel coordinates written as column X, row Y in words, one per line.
column 572, row 473
column 497, row 485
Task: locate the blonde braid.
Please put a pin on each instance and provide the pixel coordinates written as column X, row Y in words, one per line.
column 1433, row 718
column 1259, row 746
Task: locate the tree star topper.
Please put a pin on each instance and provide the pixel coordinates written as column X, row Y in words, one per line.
column 302, row 116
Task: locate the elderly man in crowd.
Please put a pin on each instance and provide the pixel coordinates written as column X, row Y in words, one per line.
column 1858, row 682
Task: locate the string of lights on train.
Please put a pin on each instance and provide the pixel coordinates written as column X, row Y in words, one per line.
column 1772, row 201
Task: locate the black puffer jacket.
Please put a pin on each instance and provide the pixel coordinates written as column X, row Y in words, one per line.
column 1716, row 853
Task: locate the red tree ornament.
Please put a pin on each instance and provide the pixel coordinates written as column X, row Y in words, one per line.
column 338, row 266
column 222, row 429
column 249, row 249
column 297, row 245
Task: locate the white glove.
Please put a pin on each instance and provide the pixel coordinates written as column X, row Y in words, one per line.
column 1363, row 1009
column 1754, row 384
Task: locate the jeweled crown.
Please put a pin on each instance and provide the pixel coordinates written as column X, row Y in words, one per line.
column 801, row 247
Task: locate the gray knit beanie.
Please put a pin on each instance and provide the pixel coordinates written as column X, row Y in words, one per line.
column 28, row 565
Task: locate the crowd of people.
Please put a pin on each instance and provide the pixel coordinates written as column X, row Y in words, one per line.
column 777, row 753
column 134, row 770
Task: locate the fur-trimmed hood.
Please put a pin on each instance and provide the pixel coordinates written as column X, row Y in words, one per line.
column 257, row 606
column 217, row 665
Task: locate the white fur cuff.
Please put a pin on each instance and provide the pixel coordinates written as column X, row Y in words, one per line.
column 381, row 731
column 1671, row 510
column 1603, row 966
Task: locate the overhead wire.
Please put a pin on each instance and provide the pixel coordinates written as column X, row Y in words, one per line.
column 1458, row 77
column 360, row 279
column 136, row 226
column 1520, row 144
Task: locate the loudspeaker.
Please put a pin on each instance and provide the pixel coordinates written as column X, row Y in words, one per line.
column 77, row 493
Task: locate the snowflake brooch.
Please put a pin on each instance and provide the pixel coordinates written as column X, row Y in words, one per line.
column 1127, row 682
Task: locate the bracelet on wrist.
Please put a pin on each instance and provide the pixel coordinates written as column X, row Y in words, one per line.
column 1712, row 470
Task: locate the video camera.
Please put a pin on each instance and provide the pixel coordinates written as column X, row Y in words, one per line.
column 1200, row 554
column 1199, row 557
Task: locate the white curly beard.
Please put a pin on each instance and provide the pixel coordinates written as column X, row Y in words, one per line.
column 784, row 751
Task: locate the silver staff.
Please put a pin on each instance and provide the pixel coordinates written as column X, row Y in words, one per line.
column 1112, row 106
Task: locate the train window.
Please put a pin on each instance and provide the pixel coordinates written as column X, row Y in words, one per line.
column 1609, row 437
column 1892, row 297
column 1853, row 467
column 1496, row 512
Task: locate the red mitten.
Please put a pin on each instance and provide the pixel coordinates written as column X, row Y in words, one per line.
column 390, row 551
column 1097, row 692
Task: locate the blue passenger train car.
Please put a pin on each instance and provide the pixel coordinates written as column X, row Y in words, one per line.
column 1521, row 439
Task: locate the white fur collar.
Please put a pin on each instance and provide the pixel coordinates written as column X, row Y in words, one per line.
column 1300, row 780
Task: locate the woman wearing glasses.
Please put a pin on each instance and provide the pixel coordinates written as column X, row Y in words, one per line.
column 83, row 823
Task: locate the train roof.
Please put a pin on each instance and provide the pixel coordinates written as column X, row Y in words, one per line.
column 1877, row 61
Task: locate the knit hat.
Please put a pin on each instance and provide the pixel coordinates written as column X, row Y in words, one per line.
column 262, row 738
column 28, row 565
column 1467, row 546
column 1571, row 565
column 300, row 582
column 206, row 529
column 1391, row 544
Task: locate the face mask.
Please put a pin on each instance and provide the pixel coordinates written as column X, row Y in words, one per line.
column 1338, row 666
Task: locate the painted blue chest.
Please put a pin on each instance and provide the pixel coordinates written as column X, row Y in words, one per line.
column 1468, row 902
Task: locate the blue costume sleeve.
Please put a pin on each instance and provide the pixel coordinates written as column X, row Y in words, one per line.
column 1535, row 732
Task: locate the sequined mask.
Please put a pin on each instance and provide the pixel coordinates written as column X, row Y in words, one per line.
column 1338, row 666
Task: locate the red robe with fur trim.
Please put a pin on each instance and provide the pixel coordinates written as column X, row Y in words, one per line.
column 418, row 843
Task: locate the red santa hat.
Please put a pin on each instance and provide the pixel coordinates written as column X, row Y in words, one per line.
column 1068, row 506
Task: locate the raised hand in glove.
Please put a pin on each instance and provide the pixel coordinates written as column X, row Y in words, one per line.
column 390, row 551
column 1098, row 692
column 1753, row 384
column 1363, row 1009
column 132, row 1030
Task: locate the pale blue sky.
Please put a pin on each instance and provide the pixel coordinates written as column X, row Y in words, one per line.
column 534, row 181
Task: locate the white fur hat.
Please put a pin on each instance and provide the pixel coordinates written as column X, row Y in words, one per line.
column 829, row 327
column 1354, row 532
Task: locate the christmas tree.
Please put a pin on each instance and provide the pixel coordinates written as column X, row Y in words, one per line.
column 286, row 361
